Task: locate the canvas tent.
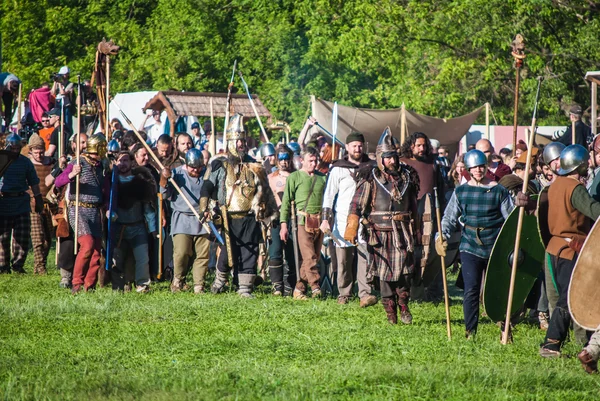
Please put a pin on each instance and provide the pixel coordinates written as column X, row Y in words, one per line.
column 178, row 104
column 371, row 123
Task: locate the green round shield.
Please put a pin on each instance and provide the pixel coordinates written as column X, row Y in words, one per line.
column 530, row 262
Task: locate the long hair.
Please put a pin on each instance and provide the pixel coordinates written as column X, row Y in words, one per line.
column 453, row 173
column 406, row 149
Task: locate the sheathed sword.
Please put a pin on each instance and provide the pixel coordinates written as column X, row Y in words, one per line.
column 295, row 240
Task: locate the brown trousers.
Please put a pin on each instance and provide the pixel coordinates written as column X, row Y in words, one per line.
column 310, row 249
column 194, row 248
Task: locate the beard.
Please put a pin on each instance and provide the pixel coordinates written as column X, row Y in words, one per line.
column 234, row 160
column 392, row 172
column 355, row 156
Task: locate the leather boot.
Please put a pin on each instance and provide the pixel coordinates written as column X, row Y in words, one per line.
column 246, row 285
column 218, row 285
column 390, row 307
column 276, row 275
column 176, row 285
column 405, row 315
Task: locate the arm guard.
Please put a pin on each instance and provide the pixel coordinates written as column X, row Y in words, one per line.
column 351, row 229
column 327, row 215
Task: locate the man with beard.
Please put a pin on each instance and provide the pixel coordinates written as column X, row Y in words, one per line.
column 64, row 235
column 573, row 211
column 92, row 183
column 15, row 219
column 165, row 151
column 340, row 189
column 41, row 223
column 240, row 186
column 480, row 206
column 305, row 187
column 183, row 143
column 283, row 281
column 135, row 218
column 417, row 152
column 385, row 202
column 190, row 239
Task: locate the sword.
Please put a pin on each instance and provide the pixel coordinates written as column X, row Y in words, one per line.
column 210, row 226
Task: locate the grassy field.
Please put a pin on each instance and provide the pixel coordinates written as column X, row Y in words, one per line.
column 161, row 346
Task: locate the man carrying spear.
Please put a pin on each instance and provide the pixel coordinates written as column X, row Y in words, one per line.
column 245, row 199
column 92, row 180
column 482, row 206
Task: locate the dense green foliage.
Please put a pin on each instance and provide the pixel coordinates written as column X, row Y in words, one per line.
column 440, row 57
column 163, row 346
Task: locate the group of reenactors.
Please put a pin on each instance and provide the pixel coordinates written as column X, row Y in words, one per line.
column 122, row 204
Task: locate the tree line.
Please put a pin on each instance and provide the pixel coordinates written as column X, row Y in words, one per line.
column 442, row 58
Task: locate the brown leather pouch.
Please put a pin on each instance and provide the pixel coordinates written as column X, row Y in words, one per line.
column 312, row 222
column 62, row 229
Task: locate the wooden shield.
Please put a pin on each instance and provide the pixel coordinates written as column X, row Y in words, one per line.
column 531, row 261
column 542, row 217
column 584, row 297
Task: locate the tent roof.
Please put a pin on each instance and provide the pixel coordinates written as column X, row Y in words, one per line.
column 198, row 104
column 177, row 104
column 593, row 76
column 371, row 123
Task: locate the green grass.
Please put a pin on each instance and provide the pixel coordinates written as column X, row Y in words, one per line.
column 161, row 346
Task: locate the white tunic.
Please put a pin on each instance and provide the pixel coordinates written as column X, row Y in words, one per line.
column 340, row 190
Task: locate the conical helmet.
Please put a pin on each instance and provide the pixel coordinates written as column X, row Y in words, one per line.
column 387, row 147
column 235, row 132
column 14, row 139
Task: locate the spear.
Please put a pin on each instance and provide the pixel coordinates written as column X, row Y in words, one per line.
column 518, row 53
column 228, row 103
column 262, row 129
column 78, row 162
column 334, row 127
column 513, row 274
column 207, row 225
column 443, row 261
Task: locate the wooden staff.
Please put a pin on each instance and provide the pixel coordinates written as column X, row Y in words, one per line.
column 107, row 96
column 57, row 251
column 75, row 245
column 443, row 261
column 212, row 143
column 513, row 274
column 160, row 236
column 487, row 121
column 19, row 108
column 518, row 53
column 573, row 139
column 61, row 133
column 159, row 164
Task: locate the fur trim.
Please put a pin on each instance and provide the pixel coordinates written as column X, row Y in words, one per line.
column 263, row 204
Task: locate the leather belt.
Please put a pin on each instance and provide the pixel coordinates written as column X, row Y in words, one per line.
column 12, row 194
column 239, row 215
column 395, row 216
column 87, row 205
column 477, row 231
